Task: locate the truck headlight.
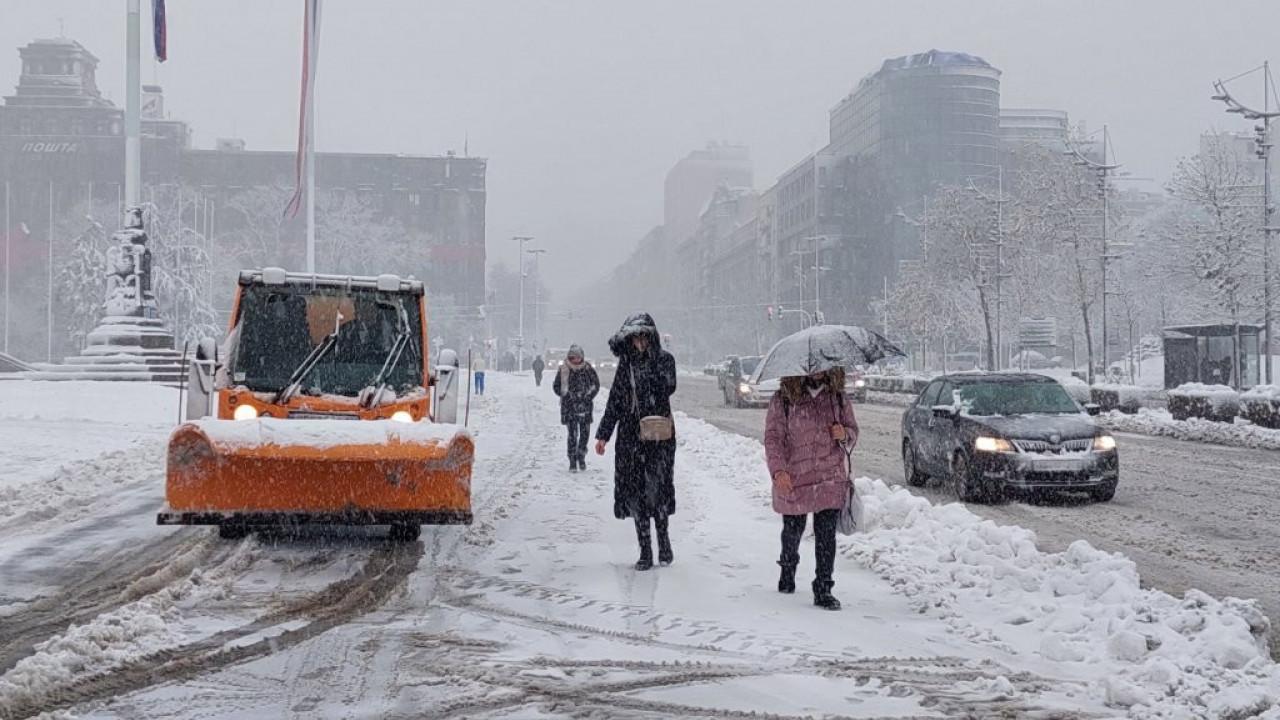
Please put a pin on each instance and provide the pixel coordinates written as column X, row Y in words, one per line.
column 1104, row 443
column 992, row 445
column 245, row 412
column 402, row 416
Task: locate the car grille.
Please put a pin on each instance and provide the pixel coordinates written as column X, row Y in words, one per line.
column 1082, row 445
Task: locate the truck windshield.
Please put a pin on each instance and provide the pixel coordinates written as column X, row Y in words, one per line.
column 279, row 326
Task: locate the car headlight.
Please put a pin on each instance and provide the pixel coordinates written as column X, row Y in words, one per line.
column 1103, row 443
column 402, row 416
column 859, row 383
column 992, row 445
column 245, row 412
column 744, row 389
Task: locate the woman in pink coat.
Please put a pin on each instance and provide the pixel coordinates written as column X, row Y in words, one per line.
column 809, row 425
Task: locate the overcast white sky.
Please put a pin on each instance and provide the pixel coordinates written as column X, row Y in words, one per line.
column 582, row 106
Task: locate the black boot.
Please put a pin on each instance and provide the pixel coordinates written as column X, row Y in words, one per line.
column 646, row 545
column 822, row 595
column 665, row 556
column 787, row 580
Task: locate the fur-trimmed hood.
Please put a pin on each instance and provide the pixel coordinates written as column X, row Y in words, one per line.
column 637, row 324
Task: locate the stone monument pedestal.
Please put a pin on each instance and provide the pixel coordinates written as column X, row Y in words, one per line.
column 121, row 348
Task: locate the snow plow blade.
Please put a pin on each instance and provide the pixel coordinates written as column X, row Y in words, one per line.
column 271, row 471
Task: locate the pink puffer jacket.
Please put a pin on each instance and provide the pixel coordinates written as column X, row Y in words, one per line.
column 799, row 442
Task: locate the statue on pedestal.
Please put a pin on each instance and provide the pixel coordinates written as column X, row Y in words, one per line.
column 129, row 287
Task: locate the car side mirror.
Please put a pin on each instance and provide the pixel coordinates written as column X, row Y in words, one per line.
column 945, row 411
column 1093, row 408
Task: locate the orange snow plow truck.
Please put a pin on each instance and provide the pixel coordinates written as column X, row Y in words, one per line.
column 324, row 409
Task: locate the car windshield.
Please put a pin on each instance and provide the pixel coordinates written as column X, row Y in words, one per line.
column 278, row 327
column 1015, row 398
column 749, row 365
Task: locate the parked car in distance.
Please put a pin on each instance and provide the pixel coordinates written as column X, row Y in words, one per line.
column 987, row 434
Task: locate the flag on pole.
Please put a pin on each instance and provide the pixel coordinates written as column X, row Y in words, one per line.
column 160, row 30
column 310, row 53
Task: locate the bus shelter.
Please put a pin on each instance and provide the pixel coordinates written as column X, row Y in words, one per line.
column 1208, row 354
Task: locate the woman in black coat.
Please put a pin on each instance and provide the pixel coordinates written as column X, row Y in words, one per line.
column 644, row 471
column 576, row 384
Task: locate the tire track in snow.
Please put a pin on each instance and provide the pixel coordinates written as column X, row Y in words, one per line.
column 385, row 571
column 123, row 579
column 945, row 687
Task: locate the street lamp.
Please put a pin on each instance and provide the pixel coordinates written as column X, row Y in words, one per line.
column 522, row 239
column 1102, row 169
column 818, row 269
column 537, row 296
column 1263, row 141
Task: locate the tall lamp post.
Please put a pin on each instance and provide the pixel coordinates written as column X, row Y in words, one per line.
column 1263, row 141
column 522, row 239
column 537, row 297
column 818, row 269
column 1102, row 169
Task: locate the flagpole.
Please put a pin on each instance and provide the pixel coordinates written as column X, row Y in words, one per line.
column 133, row 105
column 310, row 148
column 311, row 184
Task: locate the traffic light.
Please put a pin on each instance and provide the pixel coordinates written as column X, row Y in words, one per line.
column 769, row 311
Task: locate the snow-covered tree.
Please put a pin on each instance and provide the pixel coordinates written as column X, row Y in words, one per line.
column 959, row 255
column 181, row 264
column 1218, row 231
column 352, row 238
column 81, row 278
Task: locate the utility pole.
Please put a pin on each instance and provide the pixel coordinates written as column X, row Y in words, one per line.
column 1263, row 141
column 537, row 297
column 520, row 338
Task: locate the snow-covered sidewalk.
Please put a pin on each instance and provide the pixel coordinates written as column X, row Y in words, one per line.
column 535, row 610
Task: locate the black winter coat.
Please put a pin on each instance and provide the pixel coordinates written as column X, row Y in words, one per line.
column 644, row 472
column 577, row 400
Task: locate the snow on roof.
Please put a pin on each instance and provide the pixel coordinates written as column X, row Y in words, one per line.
column 934, row 58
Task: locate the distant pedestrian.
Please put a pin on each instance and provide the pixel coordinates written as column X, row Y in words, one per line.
column 538, row 366
column 577, row 384
column 808, row 427
column 477, row 371
column 644, row 469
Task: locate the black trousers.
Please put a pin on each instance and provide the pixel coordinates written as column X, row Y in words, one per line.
column 579, row 434
column 824, row 541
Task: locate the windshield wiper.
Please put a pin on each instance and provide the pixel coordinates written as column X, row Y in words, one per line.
column 379, row 383
column 295, row 380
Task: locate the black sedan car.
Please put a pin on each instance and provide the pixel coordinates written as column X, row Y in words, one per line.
column 989, row 433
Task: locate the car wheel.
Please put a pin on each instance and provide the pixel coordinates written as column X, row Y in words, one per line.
column 962, row 479
column 914, row 477
column 1104, row 492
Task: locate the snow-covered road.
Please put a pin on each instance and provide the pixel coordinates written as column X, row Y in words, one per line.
column 535, row 610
